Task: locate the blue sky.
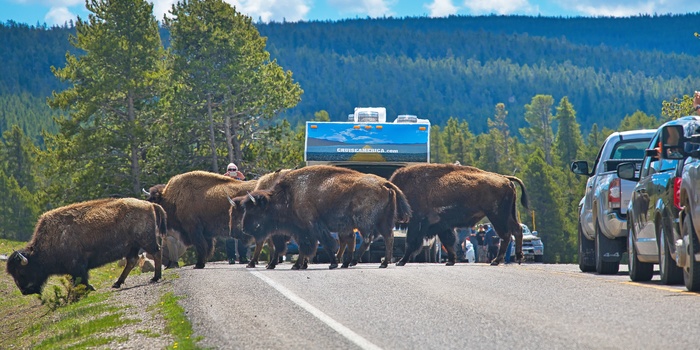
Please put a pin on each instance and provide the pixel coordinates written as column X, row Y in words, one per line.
column 59, row 11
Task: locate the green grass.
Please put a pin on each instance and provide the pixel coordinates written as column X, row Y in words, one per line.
column 178, row 325
column 83, row 324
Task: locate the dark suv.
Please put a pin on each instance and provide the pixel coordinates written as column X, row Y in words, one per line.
column 653, row 211
column 682, row 144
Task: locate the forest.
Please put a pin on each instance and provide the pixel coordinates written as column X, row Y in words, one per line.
column 87, row 111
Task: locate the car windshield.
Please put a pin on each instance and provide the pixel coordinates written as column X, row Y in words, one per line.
column 630, row 150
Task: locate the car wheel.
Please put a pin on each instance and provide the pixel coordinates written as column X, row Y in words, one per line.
column 691, row 273
column 539, row 258
column 603, row 267
column 639, row 271
column 668, row 271
column 585, row 249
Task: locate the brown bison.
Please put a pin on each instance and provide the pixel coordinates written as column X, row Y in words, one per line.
column 278, row 241
column 445, row 196
column 81, row 236
column 311, row 202
column 198, row 207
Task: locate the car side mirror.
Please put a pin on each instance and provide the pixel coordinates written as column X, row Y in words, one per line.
column 673, row 142
column 580, row 167
column 628, row 171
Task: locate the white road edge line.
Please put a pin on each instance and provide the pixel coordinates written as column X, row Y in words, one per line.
column 335, row 325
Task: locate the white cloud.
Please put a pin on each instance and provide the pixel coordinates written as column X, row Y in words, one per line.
column 371, row 8
column 272, row 10
column 59, row 16
column 441, row 8
column 625, row 8
column 161, row 8
column 501, row 7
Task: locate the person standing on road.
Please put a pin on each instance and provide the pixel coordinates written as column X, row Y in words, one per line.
column 481, row 241
column 475, row 243
column 492, row 240
column 233, row 245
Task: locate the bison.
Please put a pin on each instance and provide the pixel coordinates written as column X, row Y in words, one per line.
column 278, row 241
column 197, row 206
column 81, row 236
column 445, row 196
column 310, row 202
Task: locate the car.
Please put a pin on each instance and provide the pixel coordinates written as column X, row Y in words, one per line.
column 602, row 212
column 682, row 143
column 533, row 248
column 653, row 211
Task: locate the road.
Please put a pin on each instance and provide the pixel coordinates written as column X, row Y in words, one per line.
column 432, row 306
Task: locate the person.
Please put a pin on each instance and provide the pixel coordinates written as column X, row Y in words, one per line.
column 509, row 250
column 233, row 245
column 462, row 234
column 232, row 171
column 475, row 243
column 481, row 244
column 696, row 103
column 492, row 240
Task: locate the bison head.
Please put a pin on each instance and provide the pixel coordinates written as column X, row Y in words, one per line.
column 155, row 193
column 256, row 217
column 236, row 216
column 28, row 275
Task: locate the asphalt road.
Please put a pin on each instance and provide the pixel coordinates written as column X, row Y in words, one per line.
column 432, row 306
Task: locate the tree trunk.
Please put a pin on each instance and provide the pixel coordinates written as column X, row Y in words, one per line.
column 133, row 144
column 212, row 136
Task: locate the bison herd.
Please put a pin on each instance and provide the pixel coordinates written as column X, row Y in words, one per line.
column 306, row 204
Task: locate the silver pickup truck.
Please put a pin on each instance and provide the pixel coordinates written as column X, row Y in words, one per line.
column 602, row 220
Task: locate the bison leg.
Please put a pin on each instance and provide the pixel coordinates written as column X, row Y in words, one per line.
column 331, row 245
column 448, row 240
column 389, row 253
column 279, row 244
column 131, row 260
column 256, row 254
column 157, row 261
column 82, row 277
column 349, row 242
column 414, row 242
column 366, row 241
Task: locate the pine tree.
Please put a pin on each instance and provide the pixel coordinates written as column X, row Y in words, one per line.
column 225, row 77
column 638, row 120
column 546, row 207
column 539, row 115
column 111, row 102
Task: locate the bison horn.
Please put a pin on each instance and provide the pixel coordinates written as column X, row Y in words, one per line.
column 252, row 199
column 233, row 204
column 145, row 192
column 24, row 259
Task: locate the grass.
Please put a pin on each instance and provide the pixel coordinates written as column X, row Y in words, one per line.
column 84, row 324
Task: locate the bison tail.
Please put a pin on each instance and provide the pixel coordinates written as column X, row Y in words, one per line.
column 523, row 198
column 161, row 220
column 403, row 209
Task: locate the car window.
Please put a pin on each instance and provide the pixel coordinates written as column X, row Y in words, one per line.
column 633, row 149
column 652, row 165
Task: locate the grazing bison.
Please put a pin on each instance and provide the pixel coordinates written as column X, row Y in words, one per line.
column 278, row 241
column 311, row 202
column 445, row 196
column 198, row 207
column 81, row 236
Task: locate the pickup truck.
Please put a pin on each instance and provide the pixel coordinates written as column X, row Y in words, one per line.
column 682, row 142
column 602, row 212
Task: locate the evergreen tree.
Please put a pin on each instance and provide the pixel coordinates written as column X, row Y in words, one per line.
column 438, row 149
column 18, row 155
column 547, row 209
column 568, row 141
column 638, row 120
column 539, row 135
column 111, row 102
column 19, row 210
column 224, row 74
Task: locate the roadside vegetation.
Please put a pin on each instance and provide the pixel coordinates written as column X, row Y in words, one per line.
column 87, row 320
